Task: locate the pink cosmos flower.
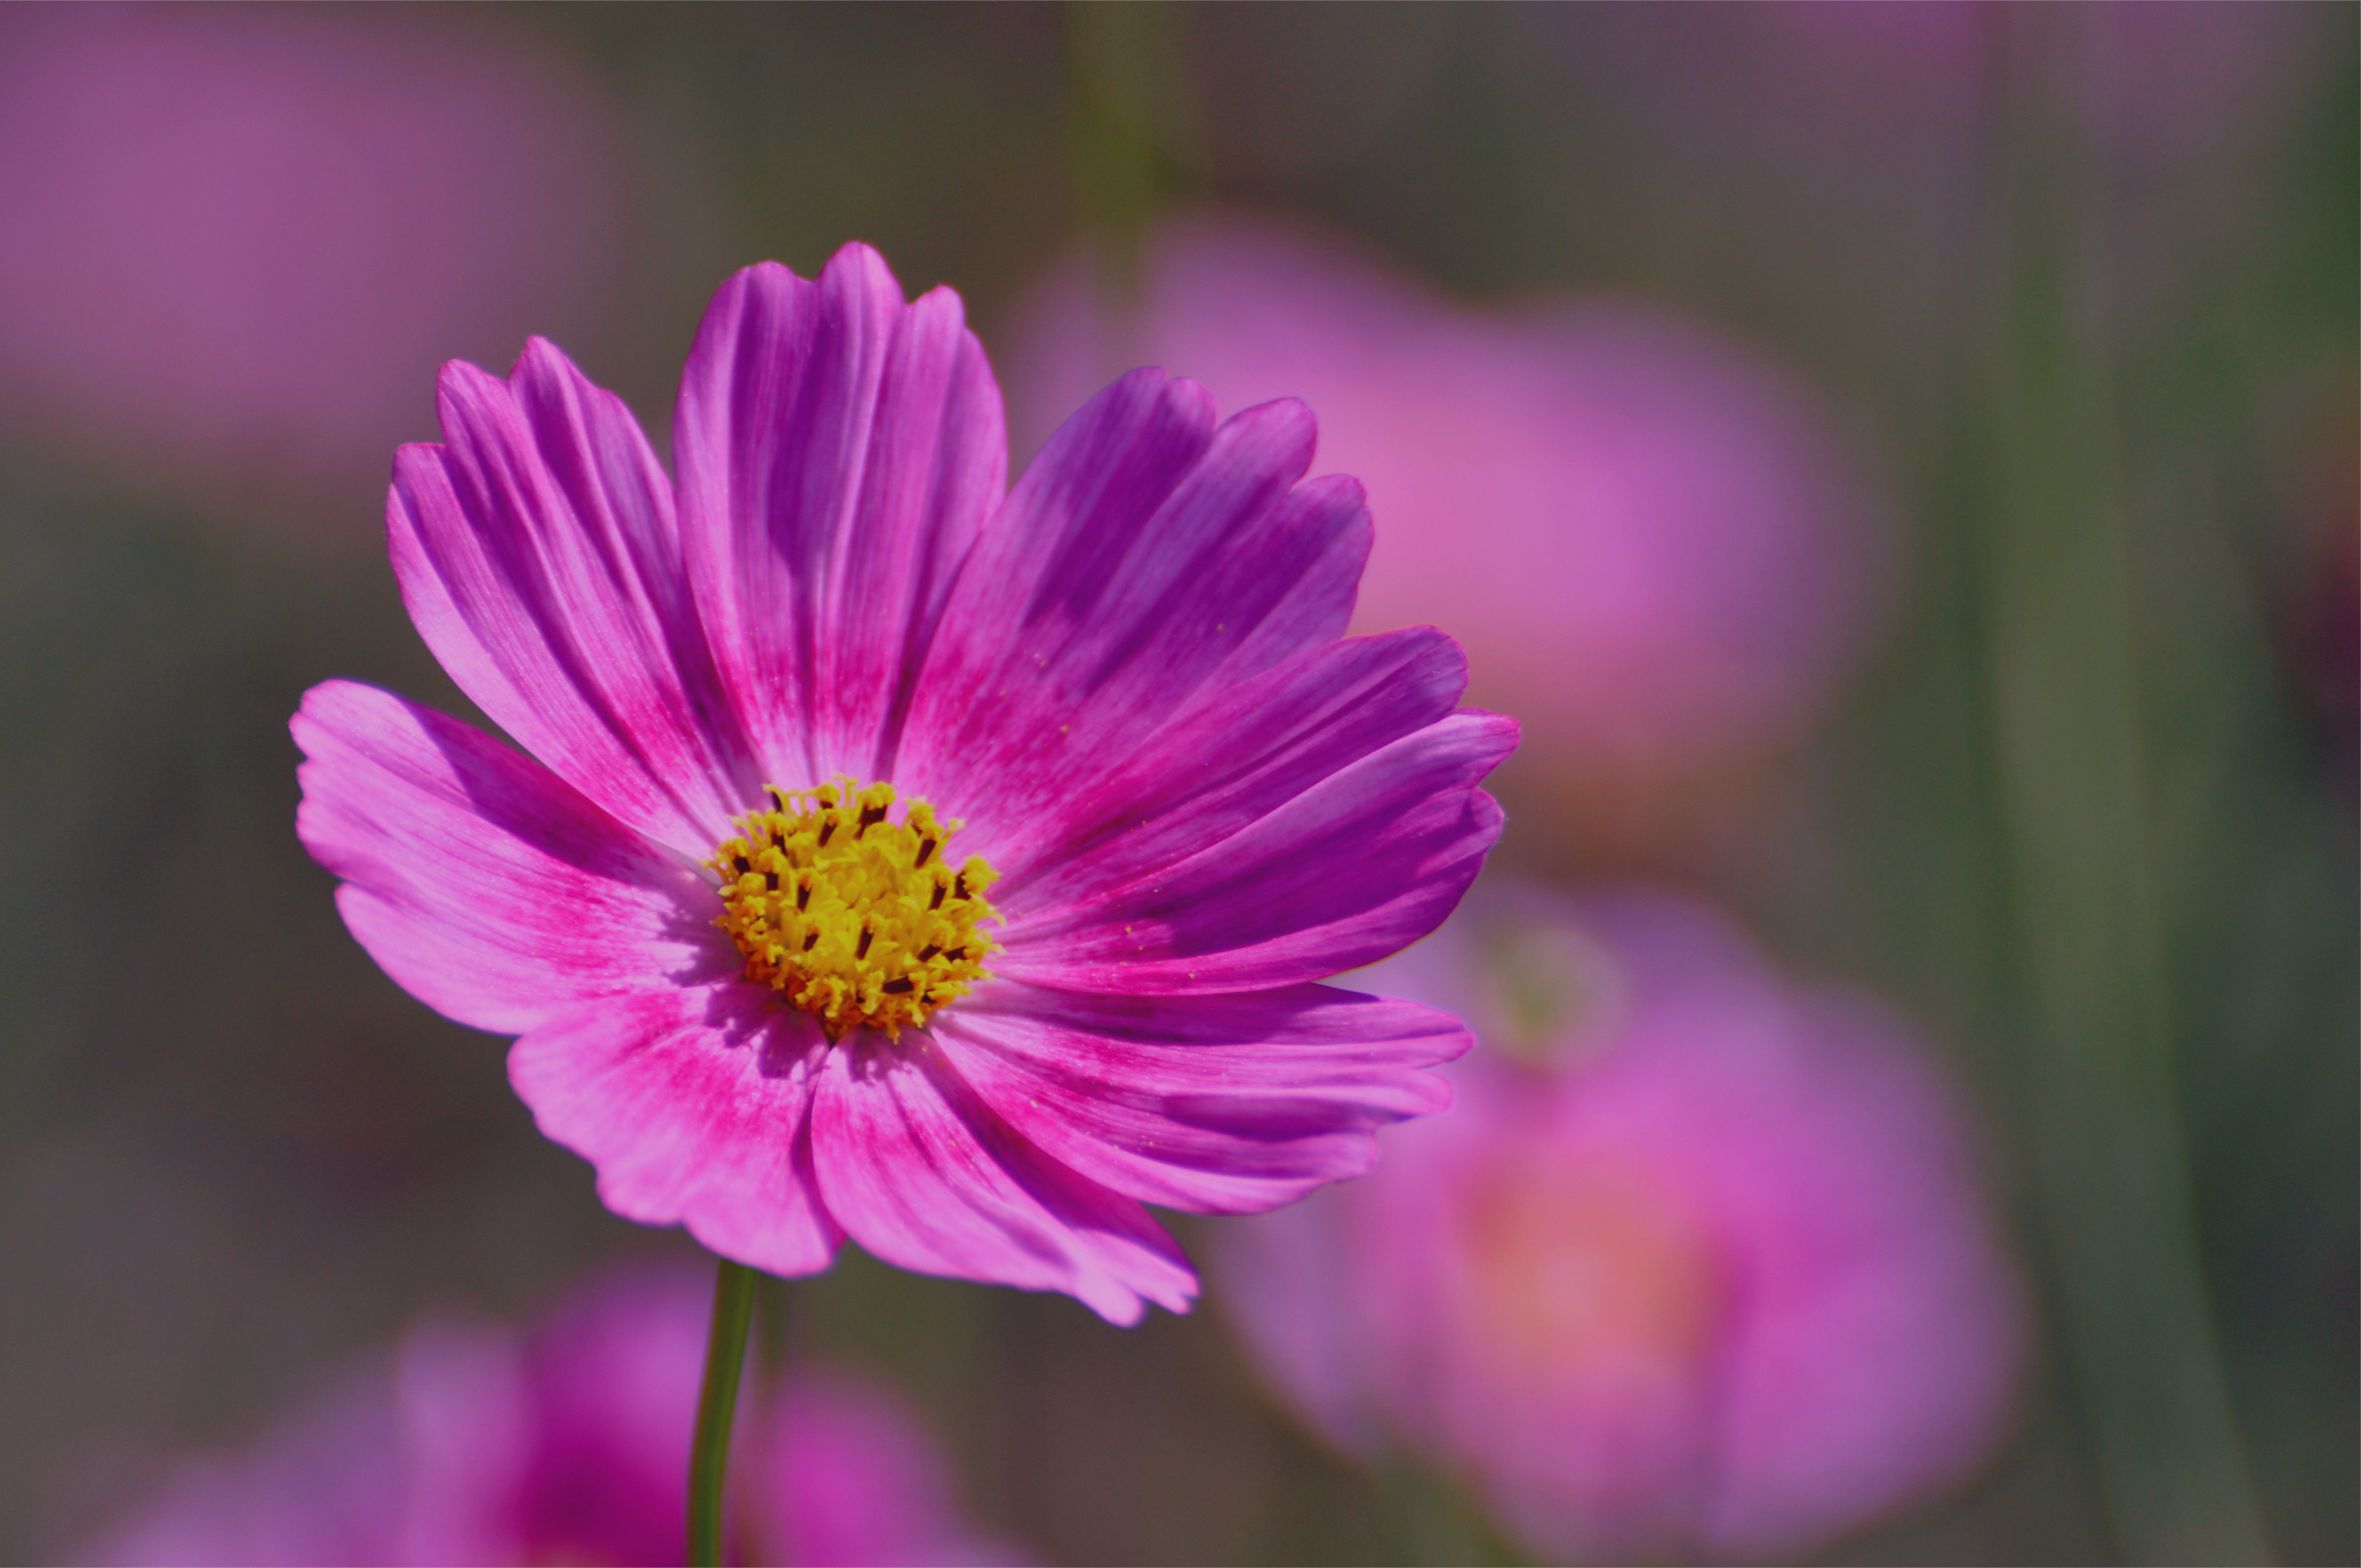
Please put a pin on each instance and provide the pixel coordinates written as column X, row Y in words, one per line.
column 566, row 1444
column 1696, row 1267
column 1651, row 545
column 791, row 723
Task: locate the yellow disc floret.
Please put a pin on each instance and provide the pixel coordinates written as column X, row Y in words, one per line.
column 858, row 920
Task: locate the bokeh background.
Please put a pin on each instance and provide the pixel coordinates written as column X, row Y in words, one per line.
column 1899, row 460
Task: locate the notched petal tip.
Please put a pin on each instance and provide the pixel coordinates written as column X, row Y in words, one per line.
column 1336, row 490
column 1506, row 731
column 1153, row 380
column 859, row 263
column 542, row 359
column 1287, row 412
column 461, row 383
column 856, row 267
column 408, row 459
column 942, row 297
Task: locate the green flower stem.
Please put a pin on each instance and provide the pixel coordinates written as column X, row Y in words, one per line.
column 1123, row 73
column 716, row 1408
column 2088, row 916
column 1129, row 95
column 1427, row 1518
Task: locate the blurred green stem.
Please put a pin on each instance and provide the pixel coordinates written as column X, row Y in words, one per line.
column 1428, row 1518
column 2062, row 643
column 1121, row 61
column 717, row 1407
column 1128, row 83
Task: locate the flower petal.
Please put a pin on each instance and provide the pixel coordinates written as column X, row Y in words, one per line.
column 1144, row 555
column 537, row 552
column 843, row 1472
column 693, row 1105
column 1220, row 1104
column 1355, row 868
column 922, row 1173
column 484, row 884
column 1286, row 1282
column 1236, row 752
column 838, row 450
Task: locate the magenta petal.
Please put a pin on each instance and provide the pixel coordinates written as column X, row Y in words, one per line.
column 1308, row 566
column 1286, row 1283
column 693, row 1105
column 1881, row 1347
column 1144, row 555
column 922, row 1173
column 1237, row 753
column 538, row 554
column 838, row 450
column 482, row 883
column 847, row 1475
column 610, row 1394
column 1221, row 1105
column 1357, row 867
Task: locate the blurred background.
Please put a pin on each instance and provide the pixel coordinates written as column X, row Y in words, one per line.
column 1898, row 461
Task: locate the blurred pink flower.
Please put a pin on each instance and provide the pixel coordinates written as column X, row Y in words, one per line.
column 566, row 1444
column 1647, row 540
column 239, row 241
column 1697, row 1266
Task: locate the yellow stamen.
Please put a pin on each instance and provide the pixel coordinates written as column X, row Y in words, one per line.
column 860, row 921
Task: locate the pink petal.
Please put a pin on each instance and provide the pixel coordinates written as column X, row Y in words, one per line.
column 482, row 883
column 848, row 1475
column 693, row 1103
column 1145, row 554
column 611, row 1379
column 1286, row 1282
column 1884, row 1337
column 1311, row 558
column 1235, row 753
column 1357, row 867
column 837, row 449
column 224, row 1510
column 922, row 1173
column 538, row 554
column 1221, row 1105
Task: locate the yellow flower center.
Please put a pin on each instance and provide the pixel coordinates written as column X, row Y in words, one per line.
column 858, row 920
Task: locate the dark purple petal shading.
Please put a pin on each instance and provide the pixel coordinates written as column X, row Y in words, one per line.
column 693, row 1105
column 1357, row 866
column 920, row 1172
column 1235, row 753
column 537, row 551
column 484, row 884
column 1229, row 1104
column 1145, row 554
column 838, row 450
column 1305, row 568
